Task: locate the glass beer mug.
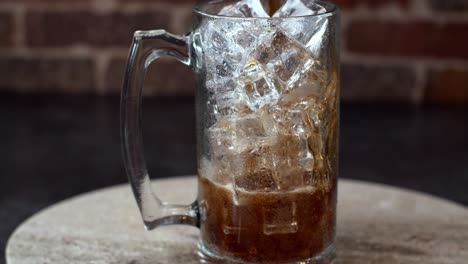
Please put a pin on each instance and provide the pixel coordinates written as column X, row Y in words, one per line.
column 267, row 111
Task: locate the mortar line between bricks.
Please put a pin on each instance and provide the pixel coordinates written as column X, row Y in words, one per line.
column 64, row 54
column 20, row 27
column 420, row 8
column 10, row 7
column 177, row 19
column 139, row 7
column 79, row 7
column 101, row 61
column 46, row 6
column 401, row 16
column 343, row 34
column 122, row 53
column 389, row 12
column 423, row 10
column 103, row 5
column 420, row 84
column 348, row 57
column 62, row 51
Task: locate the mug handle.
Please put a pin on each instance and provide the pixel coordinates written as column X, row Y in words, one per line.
column 147, row 46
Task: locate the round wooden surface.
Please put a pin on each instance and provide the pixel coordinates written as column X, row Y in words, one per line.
column 376, row 224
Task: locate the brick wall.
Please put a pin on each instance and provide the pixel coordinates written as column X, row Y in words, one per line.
column 393, row 50
column 414, row 51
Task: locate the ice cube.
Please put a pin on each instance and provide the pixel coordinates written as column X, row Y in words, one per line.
column 245, row 8
column 258, row 169
column 290, row 121
column 295, row 28
column 222, row 138
column 220, row 166
column 245, row 37
column 319, row 120
column 280, row 219
column 235, row 147
column 229, row 40
column 227, row 100
column 241, row 36
column 318, row 115
column 261, row 180
column 284, row 57
column 310, row 31
column 292, row 150
column 238, row 134
column 267, row 115
column 318, row 38
column 307, row 31
column 225, row 69
column 219, row 41
column 292, row 147
column 229, row 43
column 225, row 105
column 220, row 56
column 310, row 84
column 296, row 122
column 263, row 54
column 295, row 8
column 221, row 45
column 249, row 127
column 251, row 139
column 260, row 87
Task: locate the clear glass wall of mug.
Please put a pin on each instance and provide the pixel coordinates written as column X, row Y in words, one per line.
column 267, row 108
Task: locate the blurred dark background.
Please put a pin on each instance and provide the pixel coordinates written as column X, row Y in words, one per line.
column 404, row 97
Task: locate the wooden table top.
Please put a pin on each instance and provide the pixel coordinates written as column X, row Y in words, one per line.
column 376, row 224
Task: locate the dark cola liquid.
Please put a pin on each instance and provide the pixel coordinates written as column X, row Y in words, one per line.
column 266, row 227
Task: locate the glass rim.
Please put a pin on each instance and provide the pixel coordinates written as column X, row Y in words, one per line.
column 198, row 10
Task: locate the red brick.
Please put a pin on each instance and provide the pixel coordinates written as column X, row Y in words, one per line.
column 346, row 4
column 377, row 83
column 187, row 19
column 35, row 3
column 7, row 29
column 166, row 77
column 46, row 75
column 447, row 87
column 419, row 39
column 44, row 1
column 341, row 3
column 55, row 29
column 153, row 1
column 454, row 6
